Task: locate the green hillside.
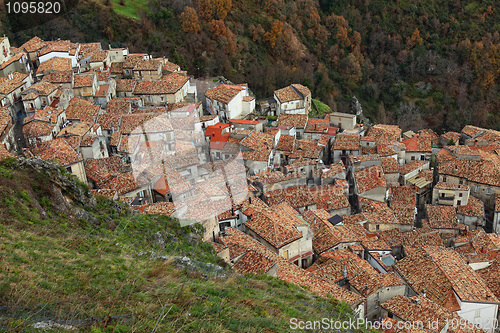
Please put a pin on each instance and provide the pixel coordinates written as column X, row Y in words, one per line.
column 96, row 266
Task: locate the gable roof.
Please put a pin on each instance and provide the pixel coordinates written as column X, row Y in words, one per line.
column 369, row 178
column 438, row 271
column 275, row 226
column 293, row 92
column 224, row 93
column 442, row 217
column 298, row 121
column 56, row 64
column 81, row 109
column 168, row 84
column 58, row 150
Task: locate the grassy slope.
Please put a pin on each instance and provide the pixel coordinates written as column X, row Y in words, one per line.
column 67, row 269
column 131, row 9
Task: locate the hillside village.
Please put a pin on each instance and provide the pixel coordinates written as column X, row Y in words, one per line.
column 401, row 226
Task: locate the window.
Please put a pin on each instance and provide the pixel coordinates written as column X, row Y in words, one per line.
column 488, row 190
column 460, row 182
column 377, row 227
column 444, row 178
column 285, row 254
column 476, row 188
column 459, row 202
column 460, row 194
column 477, row 313
column 413, row 158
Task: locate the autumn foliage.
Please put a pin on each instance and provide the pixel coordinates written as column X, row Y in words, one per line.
column 272, row 35
column 189, row 20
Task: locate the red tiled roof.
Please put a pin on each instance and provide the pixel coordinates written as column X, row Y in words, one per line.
column 317, row 125
column 404, row 195
column 34, row 44
column 390, row 165
column 298, row 121
column 420, row 309
column 474, row 207
column 287, row 271
column 442, row 217
column 412, row 166
column 224, row 92
column 418, row 143
column 125, row 85
column 168, row 84
column 346, row 142
column 382, row 131
column 294, row 92
column 244, row 121
column 83, row 80
column 82, row 110
column 58, row 150
column 369, row 178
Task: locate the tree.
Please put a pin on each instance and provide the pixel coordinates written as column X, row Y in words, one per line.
column 217, row 28
column 272, row 36
column 221, row 8
column 414, row 40
column 189, row 20
column 214, row 9
column 381, row 114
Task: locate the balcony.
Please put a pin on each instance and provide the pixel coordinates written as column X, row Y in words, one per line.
column 446, row 200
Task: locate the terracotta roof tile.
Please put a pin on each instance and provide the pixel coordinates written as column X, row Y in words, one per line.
column 289, row 272
column 87, row 49
column 58, row 46
column 442, row 217
column 404, row 195
column 84, row 80
column 58, row 150
column 148, row 65
column 286, row 143
column 305, row 148
column 81, row 109
column 418, row 143
column 294, row 92
column 224, row 92
column 298, row 121
column 382, row 131
column 413, row 165
column 253, row 262
column 7, row 85
column 346, row 142
column 110, row 121
column 59, row 77
column 317, row 125
column 454, row 136
column 369, row 178
column 420, row 309
column 171, row 67
column 390, row 165
column 168, row 84
column 56, row 64
column 35, row 129
column 34, row 44
column 160, row 208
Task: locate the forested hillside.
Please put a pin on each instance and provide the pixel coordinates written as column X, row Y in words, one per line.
column 431, row 63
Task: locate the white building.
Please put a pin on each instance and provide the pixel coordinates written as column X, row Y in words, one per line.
column 230, row 101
